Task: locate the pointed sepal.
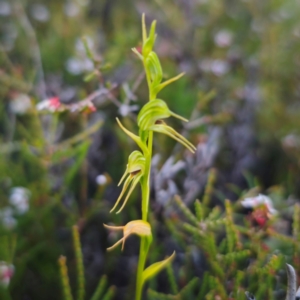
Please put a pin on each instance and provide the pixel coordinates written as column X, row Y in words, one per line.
column 136, row 138
column 167, row 82
column 161, row 127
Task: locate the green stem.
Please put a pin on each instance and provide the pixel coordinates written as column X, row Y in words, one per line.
column 141, row 266
column 145, row 243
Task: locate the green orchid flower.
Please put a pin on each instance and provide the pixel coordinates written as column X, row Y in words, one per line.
column 150, row 118
column 134, row 172
column 139, row 227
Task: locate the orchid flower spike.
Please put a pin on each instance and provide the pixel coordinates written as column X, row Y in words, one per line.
column 139, row 227
column 135, row 170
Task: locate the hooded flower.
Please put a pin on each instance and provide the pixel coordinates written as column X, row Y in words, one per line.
column 139, row 227
column 150, row 118
column 134, row 171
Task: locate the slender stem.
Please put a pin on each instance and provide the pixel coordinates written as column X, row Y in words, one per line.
column 141, row 266
column 145, row 244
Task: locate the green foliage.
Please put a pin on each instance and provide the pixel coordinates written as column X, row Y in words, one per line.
column 99, row 293
column 229, row 249
column 155, row 268
column 47, row 153
column 185, row 293
column 79, row 264
column 65, row 278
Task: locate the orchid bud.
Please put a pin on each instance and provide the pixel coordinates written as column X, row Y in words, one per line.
column 138, row 227
column 154, row 66
column 149, row 42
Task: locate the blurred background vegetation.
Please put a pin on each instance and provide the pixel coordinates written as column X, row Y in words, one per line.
column 67, row 71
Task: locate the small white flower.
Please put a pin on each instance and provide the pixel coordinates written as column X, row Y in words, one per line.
column 5, row 8
column 125, row 109
column 19, row 199
column 71, row 9
column 7, row 218
column 51, row 105
column 40, row 12
column 101, row 179
column 291, row 141
column 219, row 67
column 20, row 104
column 6, row 273
column 223, row 38
column 205, row 65
column 77, row 66
column 260, row 200
column 80, row 48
